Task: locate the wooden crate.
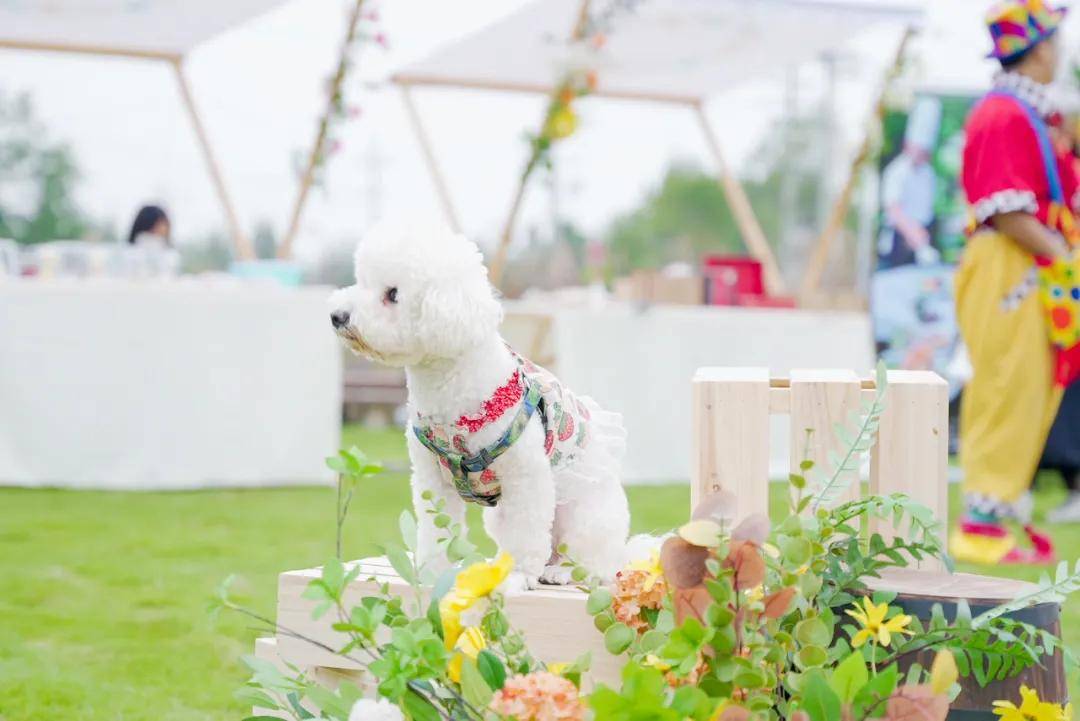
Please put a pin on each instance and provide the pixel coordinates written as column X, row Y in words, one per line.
column 731, row 410
column 553, row 620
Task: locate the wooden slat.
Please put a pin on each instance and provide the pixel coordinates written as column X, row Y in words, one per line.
column 552, row 619
column 731, row 436
column 819, row 400
column 911, row 454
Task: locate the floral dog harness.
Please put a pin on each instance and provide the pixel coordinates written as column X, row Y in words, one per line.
column 530, row 390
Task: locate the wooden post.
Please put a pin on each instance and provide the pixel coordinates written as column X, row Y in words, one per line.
column 911, row 453
column 731, row 437
column 317, row 149
column 241, row 243
column 820, row 399
column 428, row 150
column 749, row 227
column 820, row 256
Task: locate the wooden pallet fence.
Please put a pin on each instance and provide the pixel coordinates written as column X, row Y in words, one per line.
column 731, row 416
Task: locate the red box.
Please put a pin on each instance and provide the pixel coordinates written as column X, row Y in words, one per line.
column 731, row 279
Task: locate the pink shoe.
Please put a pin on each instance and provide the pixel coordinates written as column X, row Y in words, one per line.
column 1041, row 553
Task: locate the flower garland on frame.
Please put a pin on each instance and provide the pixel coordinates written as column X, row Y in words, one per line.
column 560, row 119
column 360, row 27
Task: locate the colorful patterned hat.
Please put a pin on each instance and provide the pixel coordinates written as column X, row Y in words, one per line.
column 1017, row 25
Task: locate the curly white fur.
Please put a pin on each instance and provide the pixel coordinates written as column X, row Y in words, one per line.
column 441, row 323
column 375, row 710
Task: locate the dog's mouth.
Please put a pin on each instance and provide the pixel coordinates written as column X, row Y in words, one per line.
column 357, row 344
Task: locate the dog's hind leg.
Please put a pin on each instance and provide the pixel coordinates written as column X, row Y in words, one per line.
column 593, row 523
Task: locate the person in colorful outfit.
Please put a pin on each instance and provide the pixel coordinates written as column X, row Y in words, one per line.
column 1015, row 270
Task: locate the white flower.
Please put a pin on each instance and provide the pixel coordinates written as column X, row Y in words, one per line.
column 375, row 710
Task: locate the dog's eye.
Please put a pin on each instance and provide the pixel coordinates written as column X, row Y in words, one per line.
column 390, row 296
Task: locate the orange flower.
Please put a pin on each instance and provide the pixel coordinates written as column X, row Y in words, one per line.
column 539, row 696
column 635, row 590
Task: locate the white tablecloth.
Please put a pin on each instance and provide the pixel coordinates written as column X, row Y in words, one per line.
column 640, row 363
column 170, row 384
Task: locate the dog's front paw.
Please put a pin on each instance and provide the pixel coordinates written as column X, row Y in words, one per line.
column 556, row 575
column 518, row 582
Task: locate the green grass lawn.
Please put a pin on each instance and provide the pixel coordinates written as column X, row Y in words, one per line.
column 103, row 598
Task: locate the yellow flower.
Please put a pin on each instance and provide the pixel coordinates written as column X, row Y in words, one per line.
column 755, row 594
column 472, row 583
column 480, row 579
column 1031, row 708
column 561, row 123
column 874, row 626
column 651, row 568
column 943, row 672
column 656, row 662
column 469, row 645
column 451, row 607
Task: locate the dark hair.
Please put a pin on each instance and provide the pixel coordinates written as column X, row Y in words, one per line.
column 1011, row 62
column 147, row 217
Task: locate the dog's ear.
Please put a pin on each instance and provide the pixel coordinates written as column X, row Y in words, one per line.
column 458, row 313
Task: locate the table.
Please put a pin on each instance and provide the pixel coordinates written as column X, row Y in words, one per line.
column 166, row 384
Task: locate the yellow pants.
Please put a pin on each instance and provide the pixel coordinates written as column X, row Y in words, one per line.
column 1011, row 399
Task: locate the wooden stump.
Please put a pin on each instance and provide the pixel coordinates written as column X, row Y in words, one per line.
column 918, row 591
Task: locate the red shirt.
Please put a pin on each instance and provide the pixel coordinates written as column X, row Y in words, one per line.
column 1003, row 168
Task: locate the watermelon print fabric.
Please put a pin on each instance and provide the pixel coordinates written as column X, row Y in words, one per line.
column 566, row 418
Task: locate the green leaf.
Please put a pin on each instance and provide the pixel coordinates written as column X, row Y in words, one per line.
column 618, row 637
column 750, row 678
column 407, row 524
column 849, row 677
column 599, row 601
column 300, row 712
column 880, row 686
column 401, row 563
column 811, row 657
column 813, row 632
column 337, row 464
column 328, row 702
column 492, row 669
column 251, row 696
column 819, row 700
column 652, row 640
column 474, row 687
column 796, row 550
column 419, row 708
column 333, row 575
column 263, row 718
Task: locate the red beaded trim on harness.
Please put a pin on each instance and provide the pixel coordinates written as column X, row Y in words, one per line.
column 505, row 397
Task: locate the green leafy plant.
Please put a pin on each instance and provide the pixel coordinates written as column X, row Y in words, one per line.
column 352, row 466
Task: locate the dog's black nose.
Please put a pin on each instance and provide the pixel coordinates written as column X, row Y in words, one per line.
column 339, row 318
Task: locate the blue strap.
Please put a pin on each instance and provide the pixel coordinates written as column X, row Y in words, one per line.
column 1046, row 146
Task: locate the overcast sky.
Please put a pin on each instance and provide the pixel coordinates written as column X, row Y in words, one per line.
column 260, row 87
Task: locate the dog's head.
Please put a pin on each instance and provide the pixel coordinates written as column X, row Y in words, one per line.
column 421, row 294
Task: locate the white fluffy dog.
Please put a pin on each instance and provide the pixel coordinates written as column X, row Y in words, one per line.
column 486, row 425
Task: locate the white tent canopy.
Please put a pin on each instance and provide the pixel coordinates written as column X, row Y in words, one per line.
column 138, row 28
column 667, row 50
column 153, row 29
